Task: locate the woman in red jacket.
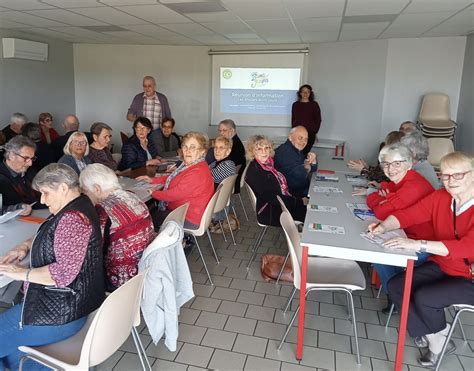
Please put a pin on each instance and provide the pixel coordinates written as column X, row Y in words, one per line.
column 191, row 182
column 447, row 278
column 405, row 188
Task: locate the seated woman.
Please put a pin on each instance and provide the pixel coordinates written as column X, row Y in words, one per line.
column 447, row 277
column 125, row 221
column 191, row 182
column 64, row 282
column 76, row 152
column 267, row 183
column 405, row 188
column 48, row 133
column 139, row 151
column 223, row 167
column 99, row 151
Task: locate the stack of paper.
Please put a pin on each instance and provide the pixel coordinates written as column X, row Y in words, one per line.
column 381, row 238
column 324, row 228
column 321, row 208
column 319, row 189
column 327, row 178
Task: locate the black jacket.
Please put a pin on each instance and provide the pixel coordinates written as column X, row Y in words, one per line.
column 133, row 155
column 17, row 189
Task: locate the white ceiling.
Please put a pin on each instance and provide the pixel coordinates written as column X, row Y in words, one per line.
column 235, row 21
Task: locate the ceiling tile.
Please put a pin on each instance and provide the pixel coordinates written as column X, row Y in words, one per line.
column 71, row 4
column 212, row 17
column 250, row 42
column 109, row 15
column 252, row 10
column 151, row 30
column 423, row 6
column 319, row 37
column 460, row 24
column 189, row 29
column 319, row 24
column 5, row 23
column 158, row 14
column 133, row 36
column 229, row 27
column 240, row 36
column 82, row 32
column 46, row 32
column 300, row 9
column 270, row 26
column 414, row 24
column 67, row 17
column 213, row 40
column 373, row 7
column 24, row 4
column 370, row 26
column 29, row 19
column 284, row 38
column 181, row 40
column 358, row 35
column 128, row 2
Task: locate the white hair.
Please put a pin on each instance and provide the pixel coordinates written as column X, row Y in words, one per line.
column 397, row 149
column 100, row 175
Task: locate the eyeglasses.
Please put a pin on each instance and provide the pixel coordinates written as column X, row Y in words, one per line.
column 79, row 142
column 26, row 158
column 455, row 176
column 167, row 126
column 48, row 120
column 192, row 148
column 394, row 164
column 263, row 149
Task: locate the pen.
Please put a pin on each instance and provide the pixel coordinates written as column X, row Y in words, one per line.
column 357, row 216
column 376, row 225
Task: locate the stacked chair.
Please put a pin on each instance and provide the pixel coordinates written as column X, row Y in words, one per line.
column 434, row 120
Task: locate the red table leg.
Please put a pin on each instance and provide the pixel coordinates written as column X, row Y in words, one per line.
column 304, row 270
column 404, row 316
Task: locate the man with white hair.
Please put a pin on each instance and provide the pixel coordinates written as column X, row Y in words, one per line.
column 16, row 123
column 293, row 164
column 149, row 104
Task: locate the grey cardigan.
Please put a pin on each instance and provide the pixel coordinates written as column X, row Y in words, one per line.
column 136, row 107
column 156, row 137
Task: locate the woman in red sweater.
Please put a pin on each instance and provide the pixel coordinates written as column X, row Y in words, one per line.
column 405, row 188
column 191, row 182
column 447, row 278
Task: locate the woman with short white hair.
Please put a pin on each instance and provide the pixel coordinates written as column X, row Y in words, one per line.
column 76, row 152
column 126, row 223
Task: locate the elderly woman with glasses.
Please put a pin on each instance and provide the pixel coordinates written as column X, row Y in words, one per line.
column 64, row 280
column 125, row 221
column 447, row 278
column 99, row 151
column 76, row 152
column 267, row 183
column 16, row 174
column 48, row 133
column 190, row 182
column 405, row 188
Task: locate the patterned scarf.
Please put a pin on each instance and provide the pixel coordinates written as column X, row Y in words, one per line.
column 162, row 204
column 269, row 166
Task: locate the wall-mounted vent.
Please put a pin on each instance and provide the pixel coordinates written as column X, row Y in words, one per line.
column 25, row 49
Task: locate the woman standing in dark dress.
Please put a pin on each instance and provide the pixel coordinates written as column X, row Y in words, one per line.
column 306, row 112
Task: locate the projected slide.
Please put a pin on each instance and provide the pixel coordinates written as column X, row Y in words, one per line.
column 265, row 91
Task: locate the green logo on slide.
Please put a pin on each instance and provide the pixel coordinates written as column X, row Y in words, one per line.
column 227, row 74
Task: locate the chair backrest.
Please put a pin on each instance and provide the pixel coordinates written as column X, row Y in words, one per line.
column 208, row 213
column 435, row 107
column 294, row 247
column 117, row 157
column 112, row 323
column 123, row 137
column 282, row 204
column 438, row 148
column 242, row 180
column 178, row 215
column 253, row 198
column 225, row 193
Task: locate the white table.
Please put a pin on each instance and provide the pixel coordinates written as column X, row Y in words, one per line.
column 136, row 187
column 347, row 246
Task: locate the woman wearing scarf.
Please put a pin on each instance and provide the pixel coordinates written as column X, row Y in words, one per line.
column 267, row 183
column 191, row 182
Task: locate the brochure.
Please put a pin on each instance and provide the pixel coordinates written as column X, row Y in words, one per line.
column 325, row 228
column 321, row 208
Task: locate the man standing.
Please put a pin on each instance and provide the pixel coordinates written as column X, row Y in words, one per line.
column 166, row 141
column 291, row 162
column 16, row 123
column 150, row 104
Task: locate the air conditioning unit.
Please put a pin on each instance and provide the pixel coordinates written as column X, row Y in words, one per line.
column 25, row 49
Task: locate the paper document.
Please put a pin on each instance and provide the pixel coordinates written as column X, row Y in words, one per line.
column 324, row 228
column 10, row 215
column 327, row 178
column 355, row 178
column 357, row 205
column 319, row 189
column 381, row 238
column 321, row 208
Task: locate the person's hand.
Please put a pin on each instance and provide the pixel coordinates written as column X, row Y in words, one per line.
column 144, row 178
column 26, row 209
column 305, row 200
column 402, row 243
column 374, row 184
column 153, row 162
column 376, row 228
column 13, row 271
column 311, row 157
column 360, row 192
column 171, row 168
column 356, row 164
column 384, row 192
column 15, row 255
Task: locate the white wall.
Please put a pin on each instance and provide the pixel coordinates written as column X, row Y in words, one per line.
column 416, row 67
column 32, row 87
column 465, row 119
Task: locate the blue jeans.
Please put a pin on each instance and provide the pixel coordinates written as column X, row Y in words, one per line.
column 386, row 272
column 11, row 337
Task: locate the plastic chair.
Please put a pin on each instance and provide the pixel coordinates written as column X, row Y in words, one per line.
column 105, row 331
column 253, row 201
column 242, row 186
column 434, row 119
column 204, row 227
column 224, row 200
column 438, row 147
column 324, row 274
column 178, row 215
column 117, row 157
column 123, row 137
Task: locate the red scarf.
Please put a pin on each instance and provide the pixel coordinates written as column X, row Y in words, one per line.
column 269, row 166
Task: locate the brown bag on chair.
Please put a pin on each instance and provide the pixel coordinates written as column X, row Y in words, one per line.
column 271, row 266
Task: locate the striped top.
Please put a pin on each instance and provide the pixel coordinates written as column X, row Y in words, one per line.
column 222, row 169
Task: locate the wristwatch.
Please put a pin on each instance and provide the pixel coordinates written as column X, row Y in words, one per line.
column 423, row 245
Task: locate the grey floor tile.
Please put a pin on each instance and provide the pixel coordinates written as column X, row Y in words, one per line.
column 318, row 323
column 261, row 364
column 467, row 362
column 232, row 308
column 243, row 284
column 348, row 361
column 373, row 303
column 327, row 340
column 129, row 361
column 340, row 298
column 224, row 360
column 188, row 315
column 376, row 332
column 344, row 327
column 207, row 304
column 321, row 296
column 320, row 358
column 129, row 345
column 380, row 365
column 203, row 290
column 110, row 363
column 221, row 281
column 212, row 320
column 310, row 337
column 287, row 352
column 199, row 277
column 260, row 313
column 225, row 293
column 236, row 272
column 334, row 311
column 371, row 348
column 195, row 355
column 250, row 345
column 191, row 334
column 267, row 288
column 219, row 339
column 240, row 325
column 161, row 364
column 270, row 330
column 410, row 355
column 292, row 367
column 162, row 352
column 367, row 316
column 275, row 301
column 248, row 297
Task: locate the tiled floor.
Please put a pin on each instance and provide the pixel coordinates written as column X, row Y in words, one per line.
column 237, row 324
